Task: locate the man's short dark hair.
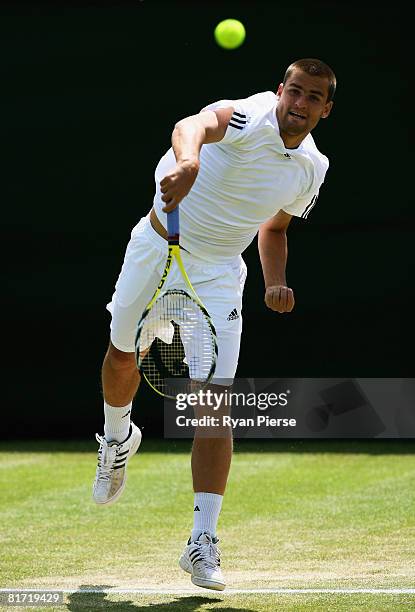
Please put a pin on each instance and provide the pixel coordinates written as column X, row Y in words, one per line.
column 314, row 67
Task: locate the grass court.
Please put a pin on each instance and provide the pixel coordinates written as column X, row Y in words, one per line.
column 303, row 524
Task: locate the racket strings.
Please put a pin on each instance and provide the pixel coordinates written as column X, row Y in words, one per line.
column 176, row 340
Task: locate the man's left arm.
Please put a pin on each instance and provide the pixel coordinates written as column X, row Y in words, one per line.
column 273, row 251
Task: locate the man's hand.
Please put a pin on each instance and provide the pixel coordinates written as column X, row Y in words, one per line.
column 177, row 183
column 279, row 298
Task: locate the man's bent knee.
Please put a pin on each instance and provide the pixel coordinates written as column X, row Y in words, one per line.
column 120, row 360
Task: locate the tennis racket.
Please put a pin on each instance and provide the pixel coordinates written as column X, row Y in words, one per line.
column 176, row 346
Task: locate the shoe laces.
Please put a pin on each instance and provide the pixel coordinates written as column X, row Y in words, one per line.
column 107, row 458
column 210, row 554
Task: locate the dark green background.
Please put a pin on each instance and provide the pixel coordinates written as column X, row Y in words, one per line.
column 90, row 94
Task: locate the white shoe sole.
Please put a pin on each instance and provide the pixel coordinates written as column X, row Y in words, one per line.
column 131, row 452
column 200, row 582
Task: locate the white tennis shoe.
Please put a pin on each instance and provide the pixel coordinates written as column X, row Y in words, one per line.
column 111, row 472
column 201, row 559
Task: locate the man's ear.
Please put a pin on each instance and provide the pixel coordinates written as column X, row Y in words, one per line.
column 327, row 110
column 279, row 90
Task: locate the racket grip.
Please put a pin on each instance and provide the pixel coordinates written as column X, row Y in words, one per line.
column 173, row 226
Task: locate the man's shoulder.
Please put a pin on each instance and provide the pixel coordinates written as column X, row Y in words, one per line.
column 320, row 160
column 259, row 103
column 258, row 112
column 249, row 110
column 250, row 115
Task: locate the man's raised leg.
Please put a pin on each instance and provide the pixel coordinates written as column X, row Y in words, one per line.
column 120, row 381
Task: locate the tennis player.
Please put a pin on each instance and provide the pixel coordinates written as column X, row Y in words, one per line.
column 237, row 168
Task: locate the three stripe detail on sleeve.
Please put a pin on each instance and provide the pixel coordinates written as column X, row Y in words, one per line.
column 238, row 121
column 309, row 207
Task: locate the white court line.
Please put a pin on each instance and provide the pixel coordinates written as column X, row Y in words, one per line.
column 190, row 591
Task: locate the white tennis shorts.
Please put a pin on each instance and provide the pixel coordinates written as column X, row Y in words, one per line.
column 219, row 286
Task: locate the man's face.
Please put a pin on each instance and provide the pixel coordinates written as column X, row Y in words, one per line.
column 302, row 103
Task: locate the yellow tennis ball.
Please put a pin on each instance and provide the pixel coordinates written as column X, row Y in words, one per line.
column 230, row 33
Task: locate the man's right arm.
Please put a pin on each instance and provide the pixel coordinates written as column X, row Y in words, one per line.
column 188, row 136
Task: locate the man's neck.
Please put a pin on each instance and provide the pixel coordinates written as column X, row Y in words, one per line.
column 292, row 142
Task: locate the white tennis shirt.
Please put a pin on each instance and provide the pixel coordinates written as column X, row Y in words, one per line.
column 244, row 180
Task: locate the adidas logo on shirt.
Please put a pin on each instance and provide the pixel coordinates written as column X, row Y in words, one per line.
column 233, row 315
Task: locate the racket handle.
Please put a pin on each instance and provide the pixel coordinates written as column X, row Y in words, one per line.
column 173, row 226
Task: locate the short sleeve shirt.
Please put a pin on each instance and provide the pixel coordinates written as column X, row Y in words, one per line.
column 244, row 180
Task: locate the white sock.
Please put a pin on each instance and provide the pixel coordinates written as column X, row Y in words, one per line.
column 206, row 513
column 117, row 422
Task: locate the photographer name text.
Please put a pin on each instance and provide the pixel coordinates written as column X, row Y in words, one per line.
column 228, row 421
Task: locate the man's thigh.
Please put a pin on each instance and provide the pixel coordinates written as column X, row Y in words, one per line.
column 223, row 300
column 140, row 274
